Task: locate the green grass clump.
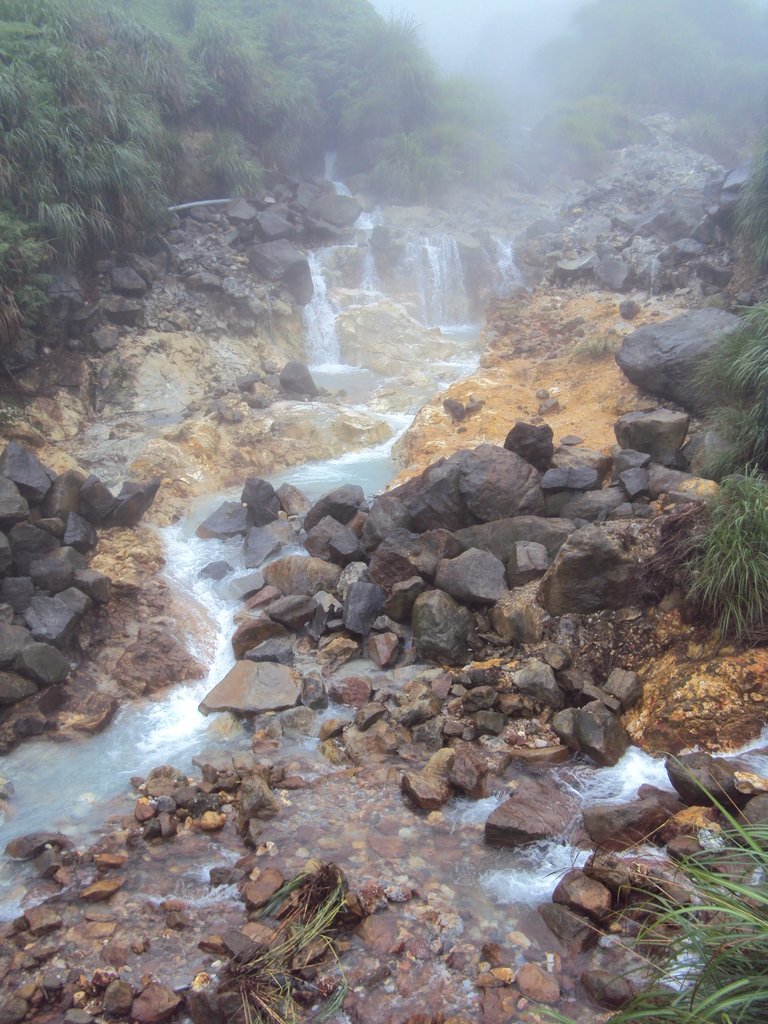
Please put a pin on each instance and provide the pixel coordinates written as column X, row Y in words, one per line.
column 591, row 350
column 752, row 210
column 733, row 384
column 729, row 571
column 709, row 959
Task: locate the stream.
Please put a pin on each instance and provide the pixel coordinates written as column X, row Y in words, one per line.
column 472, row 893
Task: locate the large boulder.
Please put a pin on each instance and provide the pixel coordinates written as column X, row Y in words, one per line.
column 658, row 432
column 338, row 210
column 404, row 555
column 441, row 628
column 280, row 261
column 132, row 502
column 502, row 536
column 295, row 379
column 297, row 575
column 261, row 500
column 593, row 730
column 474, row 578
column 13, row 507
column 532, row 443
column 333, row 542
column 592, row 572
column 538, row 810
column 678, row 215
column 23, row 467
column 362, row 606
column 472, row 486
column 341, row 504
column 229, row 520
column 251, row 688
column 537, row 681
column 662, row 358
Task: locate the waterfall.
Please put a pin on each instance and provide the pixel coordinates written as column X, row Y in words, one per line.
column 370, row 281
column 439, row 277
column 330, row 175
column 321, row 340
column 509, row 278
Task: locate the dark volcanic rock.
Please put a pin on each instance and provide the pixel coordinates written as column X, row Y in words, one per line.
column 591, row 572
column 532, row 443
column 79, row 534
column 13, row 507
column 330, row 540
column 404, row 555
column 340, row 504
column 260, row 542
column 700, row 778
column 29, row 544
column 362, row 606
column 261, row 500
column 20, row 465
column 229, row 520
column 471, row 487
column 621, row 826
column 281, row 261
column 132, row 502
column 502, row 536
column 537, row 680
column 475, row 577
column 662, row 358
column 441, row 628
column 14, row 688
column 43, row 663
column 97, row 502
column 657, row 433
column 295, row 379
column 593, row 730
column 51, row 620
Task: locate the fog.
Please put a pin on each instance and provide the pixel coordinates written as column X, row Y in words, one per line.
column 456, row 30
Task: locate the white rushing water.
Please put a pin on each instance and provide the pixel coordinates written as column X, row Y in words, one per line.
column 321, row 338
column 435, row 263
column 509, row 279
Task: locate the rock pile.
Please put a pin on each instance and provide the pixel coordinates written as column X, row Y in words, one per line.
column 49, row 529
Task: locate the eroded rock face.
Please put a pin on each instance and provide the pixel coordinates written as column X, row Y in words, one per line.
column 716, row 703
column 591, row 572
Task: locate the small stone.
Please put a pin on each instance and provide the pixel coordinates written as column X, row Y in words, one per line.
column 101, row 890
column 537, row 984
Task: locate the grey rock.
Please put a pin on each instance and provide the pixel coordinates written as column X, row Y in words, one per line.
column 50, row 620
column 293, row 612
column 340, row 504
column 93, row 584
column 594, row 730
column 126, row 281
column 261, row 501
column 400, row 600
column 17, row 591
column 29, row 544
column 52, row 574
column 340, row 211
column 532, row 443
column 251, row 688
column 529, row 561
column 279, row 650
column 42, row 663
column 537, row 811
column 656, row 432
column 97, row 502
column 592, row 572
column 537, row 681
column 571, row 478
column 362, row 604
column 26, row 471
column 475, row 577
column 292, row 501
column 625, row 686
column 295, row 379
column 331, row 540
column 441, row 628
column 14, row 688
column 661, row 359
column 229, row 520
column 636, row 482
column 79, row 534
column 281, row 261
column 13, row 639
column 13, row 507
column 133, row 500
column 260, row 542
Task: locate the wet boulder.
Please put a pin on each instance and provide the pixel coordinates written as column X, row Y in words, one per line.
column 538, row 810
column 43, row 663
column 293, row 612
column 96, row 501
column 26, row 471
column 661, row 359
column 591, row 572
column 593, row 730
column 585, row 895
column 532, row 443
column 292, row 501
column 251, row 688
column 295, row 379
column 658, row 432
column 700, row 778
column 339, row 210
column 474, row 577
column 229, row 520
column 261, row 500
column 401, row 597
column 614, row 827
column 252, row 629
column 441, row 628
column 341, row 504
column 260, row 542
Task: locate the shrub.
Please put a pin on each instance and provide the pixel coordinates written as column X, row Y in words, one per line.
column 752, row 211
column 733, row 383
column 729, row 572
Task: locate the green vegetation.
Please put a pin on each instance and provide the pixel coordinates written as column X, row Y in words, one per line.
column 596, row 347
column 752, row 211
column 709, row 957
column 582, row 132
column 729, row 569
column 110, row 111
column 703, row 60
column 733, row 381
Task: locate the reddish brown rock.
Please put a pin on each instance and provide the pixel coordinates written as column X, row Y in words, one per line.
column 586, row 895
column 155, row 1005
column 260, row 890
column 383, row 649
column 251, row 688
column 537, row 984
column 355, row 691
column 537, row 810
column 101, row 890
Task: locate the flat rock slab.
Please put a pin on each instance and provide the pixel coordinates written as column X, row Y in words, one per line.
column 251, row 688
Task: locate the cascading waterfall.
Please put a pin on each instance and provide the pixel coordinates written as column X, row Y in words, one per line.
column 509, row 278
column 369, row 282
column 439, row 277
column 321, row 338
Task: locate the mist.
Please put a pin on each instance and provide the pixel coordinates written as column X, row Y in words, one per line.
column 457, row 33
